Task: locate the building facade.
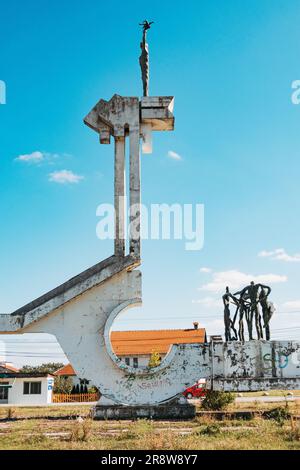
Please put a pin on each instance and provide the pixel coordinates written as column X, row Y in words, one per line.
column 25, row 389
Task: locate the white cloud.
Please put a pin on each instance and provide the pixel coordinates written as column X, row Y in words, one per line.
column 291, row 305
column 208, row 302
column 65, row 177
column 280, row 255
column 174, row 155
column 34, row 157
column 39, row 157
column 205, row 270
column 236, row 279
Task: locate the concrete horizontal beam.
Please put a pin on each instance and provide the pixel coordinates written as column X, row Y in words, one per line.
column 66, row 292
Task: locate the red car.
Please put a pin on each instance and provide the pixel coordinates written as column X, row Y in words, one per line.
column 196, row 391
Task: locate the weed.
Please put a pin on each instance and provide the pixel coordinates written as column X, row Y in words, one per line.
column 11, row 413
column 81, row 431
column 294, row 434
column 210, row 430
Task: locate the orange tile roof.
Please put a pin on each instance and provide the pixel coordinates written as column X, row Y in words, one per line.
column 138, row 342
column 9, row 367
column 148, row 341
column 66, row 370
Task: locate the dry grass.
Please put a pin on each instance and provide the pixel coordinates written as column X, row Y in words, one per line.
column 202, row 433
column 271, row 393
column 51, row 411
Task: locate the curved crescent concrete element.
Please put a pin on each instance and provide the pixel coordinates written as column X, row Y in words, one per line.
column 82, row 327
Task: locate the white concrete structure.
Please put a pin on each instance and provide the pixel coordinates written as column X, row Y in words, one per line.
column 24, row 389
column 80, row 313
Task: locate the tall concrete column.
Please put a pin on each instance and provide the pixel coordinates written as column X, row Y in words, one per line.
column 135, row 192
column 120, row 195
column 141, row 117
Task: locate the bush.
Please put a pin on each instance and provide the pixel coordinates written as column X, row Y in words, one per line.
column 279, row 414
column 81, row 431
column 215, row 401
column 62, row 385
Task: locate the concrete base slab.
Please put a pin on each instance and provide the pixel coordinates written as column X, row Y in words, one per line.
column 164, row 411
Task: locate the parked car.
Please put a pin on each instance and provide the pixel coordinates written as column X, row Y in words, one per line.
column 196, row 391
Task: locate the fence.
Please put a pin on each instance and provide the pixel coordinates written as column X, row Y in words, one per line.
column 75, row 398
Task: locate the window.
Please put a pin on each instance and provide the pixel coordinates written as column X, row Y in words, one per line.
column 32, row 388
column 135, row 362
column 127, row 361
column 4, row 391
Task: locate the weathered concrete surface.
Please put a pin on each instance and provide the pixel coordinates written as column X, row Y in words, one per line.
column 128, row 116
column 111, row 118
column 163, row 411
column 158, row 112
column 255, row 365
column 65, row 293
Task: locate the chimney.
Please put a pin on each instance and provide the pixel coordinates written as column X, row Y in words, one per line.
column 196, row 325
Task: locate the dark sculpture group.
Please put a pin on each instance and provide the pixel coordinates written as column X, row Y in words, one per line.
column 249, row 303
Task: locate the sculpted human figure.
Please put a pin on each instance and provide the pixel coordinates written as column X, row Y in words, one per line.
column 251, row 292
column 229, row 324
column 242, row 310
column 144, row 58
column 267, row 309
column 252, row 297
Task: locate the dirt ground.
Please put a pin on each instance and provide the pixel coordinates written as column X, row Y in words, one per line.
column 67, row 428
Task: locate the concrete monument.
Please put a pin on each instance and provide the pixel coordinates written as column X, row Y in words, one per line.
column 80, row 312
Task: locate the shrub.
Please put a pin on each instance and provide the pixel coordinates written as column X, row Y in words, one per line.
column 63, row 384
column 81, row 431
column 279, row 414
column 215, row 400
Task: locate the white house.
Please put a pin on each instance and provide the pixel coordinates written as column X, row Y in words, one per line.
column 25, row 389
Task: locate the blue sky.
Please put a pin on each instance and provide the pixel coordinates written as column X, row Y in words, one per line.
column 230, row 65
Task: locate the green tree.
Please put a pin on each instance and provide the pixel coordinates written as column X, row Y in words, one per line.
column 63, row 385
column 48, row 368
column 154, row 360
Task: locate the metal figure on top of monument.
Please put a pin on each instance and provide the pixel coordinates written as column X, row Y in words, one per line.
column 144, row 58
column 249, row 303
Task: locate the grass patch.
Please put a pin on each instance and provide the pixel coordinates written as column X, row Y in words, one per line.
column 199, row 434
